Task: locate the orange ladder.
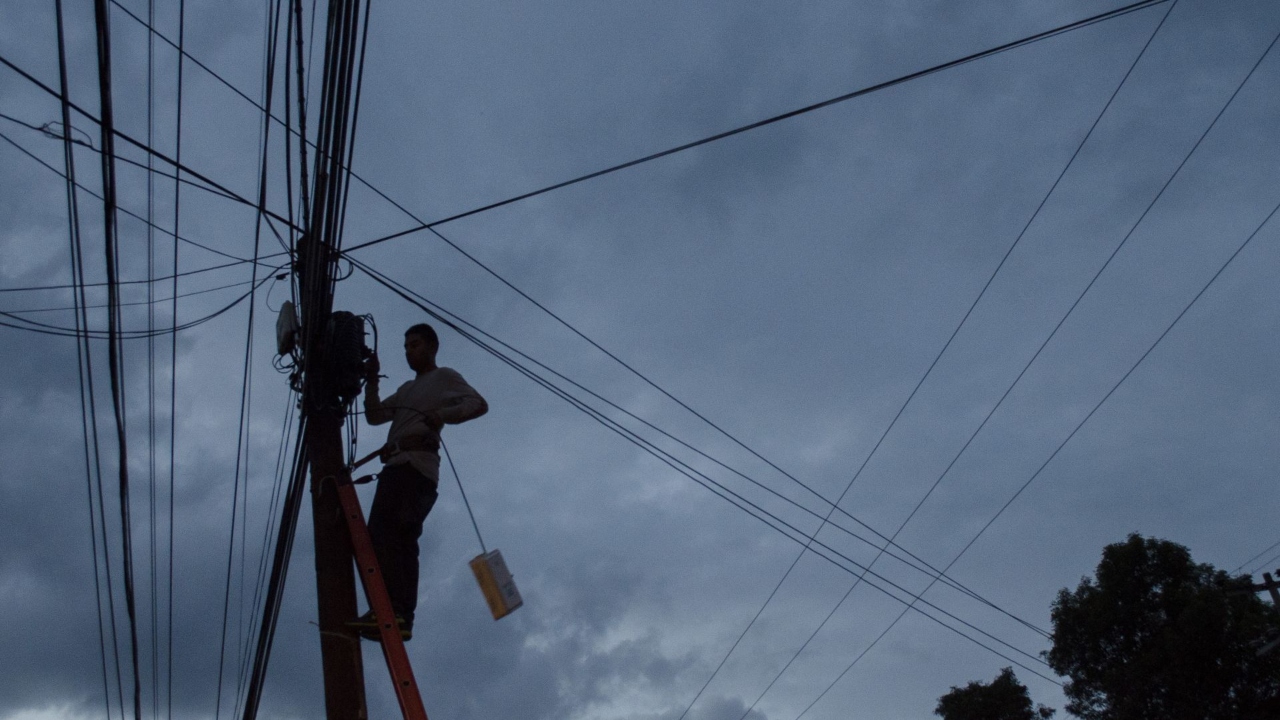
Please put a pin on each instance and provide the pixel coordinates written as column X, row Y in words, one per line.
column 375, row 589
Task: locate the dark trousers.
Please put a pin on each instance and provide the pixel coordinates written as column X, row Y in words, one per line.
column 402, row 501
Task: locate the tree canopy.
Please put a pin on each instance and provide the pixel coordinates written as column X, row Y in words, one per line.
column 1001, row 699
column 1156, row 636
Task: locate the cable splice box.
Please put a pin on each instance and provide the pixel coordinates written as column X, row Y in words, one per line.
column 496, row 583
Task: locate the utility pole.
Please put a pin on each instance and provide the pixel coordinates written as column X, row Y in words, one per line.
column 1272, row 587
column 341, row 658
column 323, row 404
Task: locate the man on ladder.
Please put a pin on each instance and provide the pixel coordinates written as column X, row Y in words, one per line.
column 411, row 465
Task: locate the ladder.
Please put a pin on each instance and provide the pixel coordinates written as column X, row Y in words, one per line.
column 375, row 589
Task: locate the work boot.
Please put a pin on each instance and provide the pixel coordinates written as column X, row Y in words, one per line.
column 367, row 626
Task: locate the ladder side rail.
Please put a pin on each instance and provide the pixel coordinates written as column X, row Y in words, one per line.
column 375, row 589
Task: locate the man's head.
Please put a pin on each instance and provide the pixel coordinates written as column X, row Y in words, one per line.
column 420, row 346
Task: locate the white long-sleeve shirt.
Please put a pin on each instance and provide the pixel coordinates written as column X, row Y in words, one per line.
column 441, row 392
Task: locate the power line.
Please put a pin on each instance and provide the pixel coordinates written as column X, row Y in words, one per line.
column 149, row 223
column 1101, row 17
column 173, row 348
column 148, row 166
column 911, row 560
column 231, row 194
column 1091, row 413
column 1131, row 369
column 1266, row 563
column 88, row 411
column 423, row 225
column 1268, row 549
column 292, row 499
column 174, row 276
column 964, row 320
column 1035, row 38
column 317, row 263
column 246, row 394
column 273, row 509
column 61, row 331
column 717, row 488
column 115, row 347
column 152, row 454
column 153, row 302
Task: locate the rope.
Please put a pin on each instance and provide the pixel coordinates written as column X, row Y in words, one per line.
column 458, row 478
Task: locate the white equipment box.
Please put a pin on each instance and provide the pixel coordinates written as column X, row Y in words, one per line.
column 496, row 583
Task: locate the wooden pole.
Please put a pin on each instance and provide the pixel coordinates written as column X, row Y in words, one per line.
column 344, row 694
column 341, row 658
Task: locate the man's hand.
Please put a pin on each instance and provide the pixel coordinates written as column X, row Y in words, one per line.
column 371, row 368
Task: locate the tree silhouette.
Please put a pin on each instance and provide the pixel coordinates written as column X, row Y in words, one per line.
column 1156, row 636
column 1002, row 699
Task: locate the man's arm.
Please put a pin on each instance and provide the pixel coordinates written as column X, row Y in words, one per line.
column 376, row 411
column 462, row 402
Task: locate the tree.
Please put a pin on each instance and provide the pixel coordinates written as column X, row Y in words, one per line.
column 1002, row 699
column 1157, row 636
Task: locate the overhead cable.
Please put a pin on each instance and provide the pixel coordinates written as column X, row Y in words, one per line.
column 22, row 323
column 227, row 192
column 173, row 344
column 1268, row 549
column 246, row 386
column 423, row 225
column 782, row 526
column 908, row 558
column 155, row 301
column 1069, row 27
column 1020, row 490
column 149, row 223
column 963, row 321
column 88, row 408
column 115, row 348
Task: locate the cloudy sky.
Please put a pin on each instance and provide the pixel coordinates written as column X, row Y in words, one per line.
column 791, row 284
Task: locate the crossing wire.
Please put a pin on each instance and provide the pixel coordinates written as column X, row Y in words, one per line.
column 1265, row 563
column 1101, row 17
column 246, row 383
column 753, row 509
column 147, row 167
column 150, row 224
column 135, row 303
column 872, row 529
column 115, row 347
column 61, row 331
column 151, row 380
column 339, row 112
column 292, row 497
column 173, row 344
column 274, row 509
column 423, row 225
column 917, row 559
column 964, row 320
column 1268, row 549
column 1093, row 280
column 84, row 375
column 914, row 561
column 1084, row 420
column 140, row 145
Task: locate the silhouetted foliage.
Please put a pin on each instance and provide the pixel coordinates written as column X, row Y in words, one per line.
column 1157, row 636
column 1002, row 699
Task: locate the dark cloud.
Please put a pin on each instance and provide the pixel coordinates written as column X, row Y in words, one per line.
column 792, row 283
